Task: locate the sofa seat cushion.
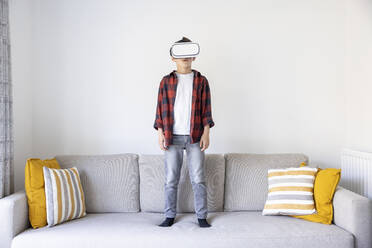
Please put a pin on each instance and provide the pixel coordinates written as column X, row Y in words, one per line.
column 229, row 229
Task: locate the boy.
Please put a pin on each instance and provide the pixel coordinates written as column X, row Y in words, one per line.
column 183, row 120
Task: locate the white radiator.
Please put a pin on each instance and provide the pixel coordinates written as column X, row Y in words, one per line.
column 356, row 172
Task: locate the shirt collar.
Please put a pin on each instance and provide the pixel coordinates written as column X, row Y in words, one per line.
column 196, row 73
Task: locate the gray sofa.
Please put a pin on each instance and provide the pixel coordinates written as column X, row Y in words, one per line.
column 125, row 202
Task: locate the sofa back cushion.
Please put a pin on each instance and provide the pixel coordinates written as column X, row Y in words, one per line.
column 246, row 184
column 110, row 182
column 152, row 179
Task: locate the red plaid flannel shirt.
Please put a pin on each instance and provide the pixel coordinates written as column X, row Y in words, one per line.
column 201, row 109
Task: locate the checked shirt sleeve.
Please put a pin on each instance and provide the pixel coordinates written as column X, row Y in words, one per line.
column 158, row 123
column 207, row 106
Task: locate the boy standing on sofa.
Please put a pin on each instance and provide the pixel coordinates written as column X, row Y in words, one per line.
column 183, row 119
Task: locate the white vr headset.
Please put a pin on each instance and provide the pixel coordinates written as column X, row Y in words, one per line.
column 184, row 50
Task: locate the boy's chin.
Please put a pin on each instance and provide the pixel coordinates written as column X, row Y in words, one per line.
column 185, row 65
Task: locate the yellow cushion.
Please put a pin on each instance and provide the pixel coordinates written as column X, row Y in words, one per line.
column 303, row 164
column 325, row 184
column 34, row 187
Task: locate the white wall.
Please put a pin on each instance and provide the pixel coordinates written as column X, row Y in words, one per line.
column 359, row 74
column 285, row 76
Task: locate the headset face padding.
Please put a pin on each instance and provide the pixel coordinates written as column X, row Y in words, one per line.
column 185, row 50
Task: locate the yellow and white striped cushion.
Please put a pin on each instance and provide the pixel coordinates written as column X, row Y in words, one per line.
column 291, row 191
column 64, row 195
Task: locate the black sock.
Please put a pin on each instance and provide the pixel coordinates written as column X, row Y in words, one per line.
column 167, row 222
column 203, row 223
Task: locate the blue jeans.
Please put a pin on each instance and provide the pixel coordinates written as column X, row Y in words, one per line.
column 173, row 158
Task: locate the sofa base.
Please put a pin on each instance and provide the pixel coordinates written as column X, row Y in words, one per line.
column 229, row 229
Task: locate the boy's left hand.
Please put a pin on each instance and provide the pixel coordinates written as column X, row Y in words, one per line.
column 204, row 141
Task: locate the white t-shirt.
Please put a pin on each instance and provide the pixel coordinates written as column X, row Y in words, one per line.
column 182, row 104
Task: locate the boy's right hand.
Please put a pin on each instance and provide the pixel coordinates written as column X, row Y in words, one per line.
column 161, row 141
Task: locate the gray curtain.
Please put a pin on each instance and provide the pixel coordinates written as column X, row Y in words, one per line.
column 6, row 106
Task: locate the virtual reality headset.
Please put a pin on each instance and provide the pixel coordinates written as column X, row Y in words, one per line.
column 184, row 50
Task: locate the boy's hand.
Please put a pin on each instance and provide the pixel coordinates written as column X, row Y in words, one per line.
column 204, row 140
column 161, row 140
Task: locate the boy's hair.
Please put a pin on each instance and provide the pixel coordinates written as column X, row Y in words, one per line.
column 184, row 39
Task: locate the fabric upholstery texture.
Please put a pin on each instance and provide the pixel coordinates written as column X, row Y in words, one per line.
column 110, row 182
column 351, row 227
column 229, row 229
column 13, row 216
column 353, row 212
column 246, row 185
column 64, row 194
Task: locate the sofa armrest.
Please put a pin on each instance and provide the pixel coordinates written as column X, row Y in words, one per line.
column 13, row 216
column 353, row 213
